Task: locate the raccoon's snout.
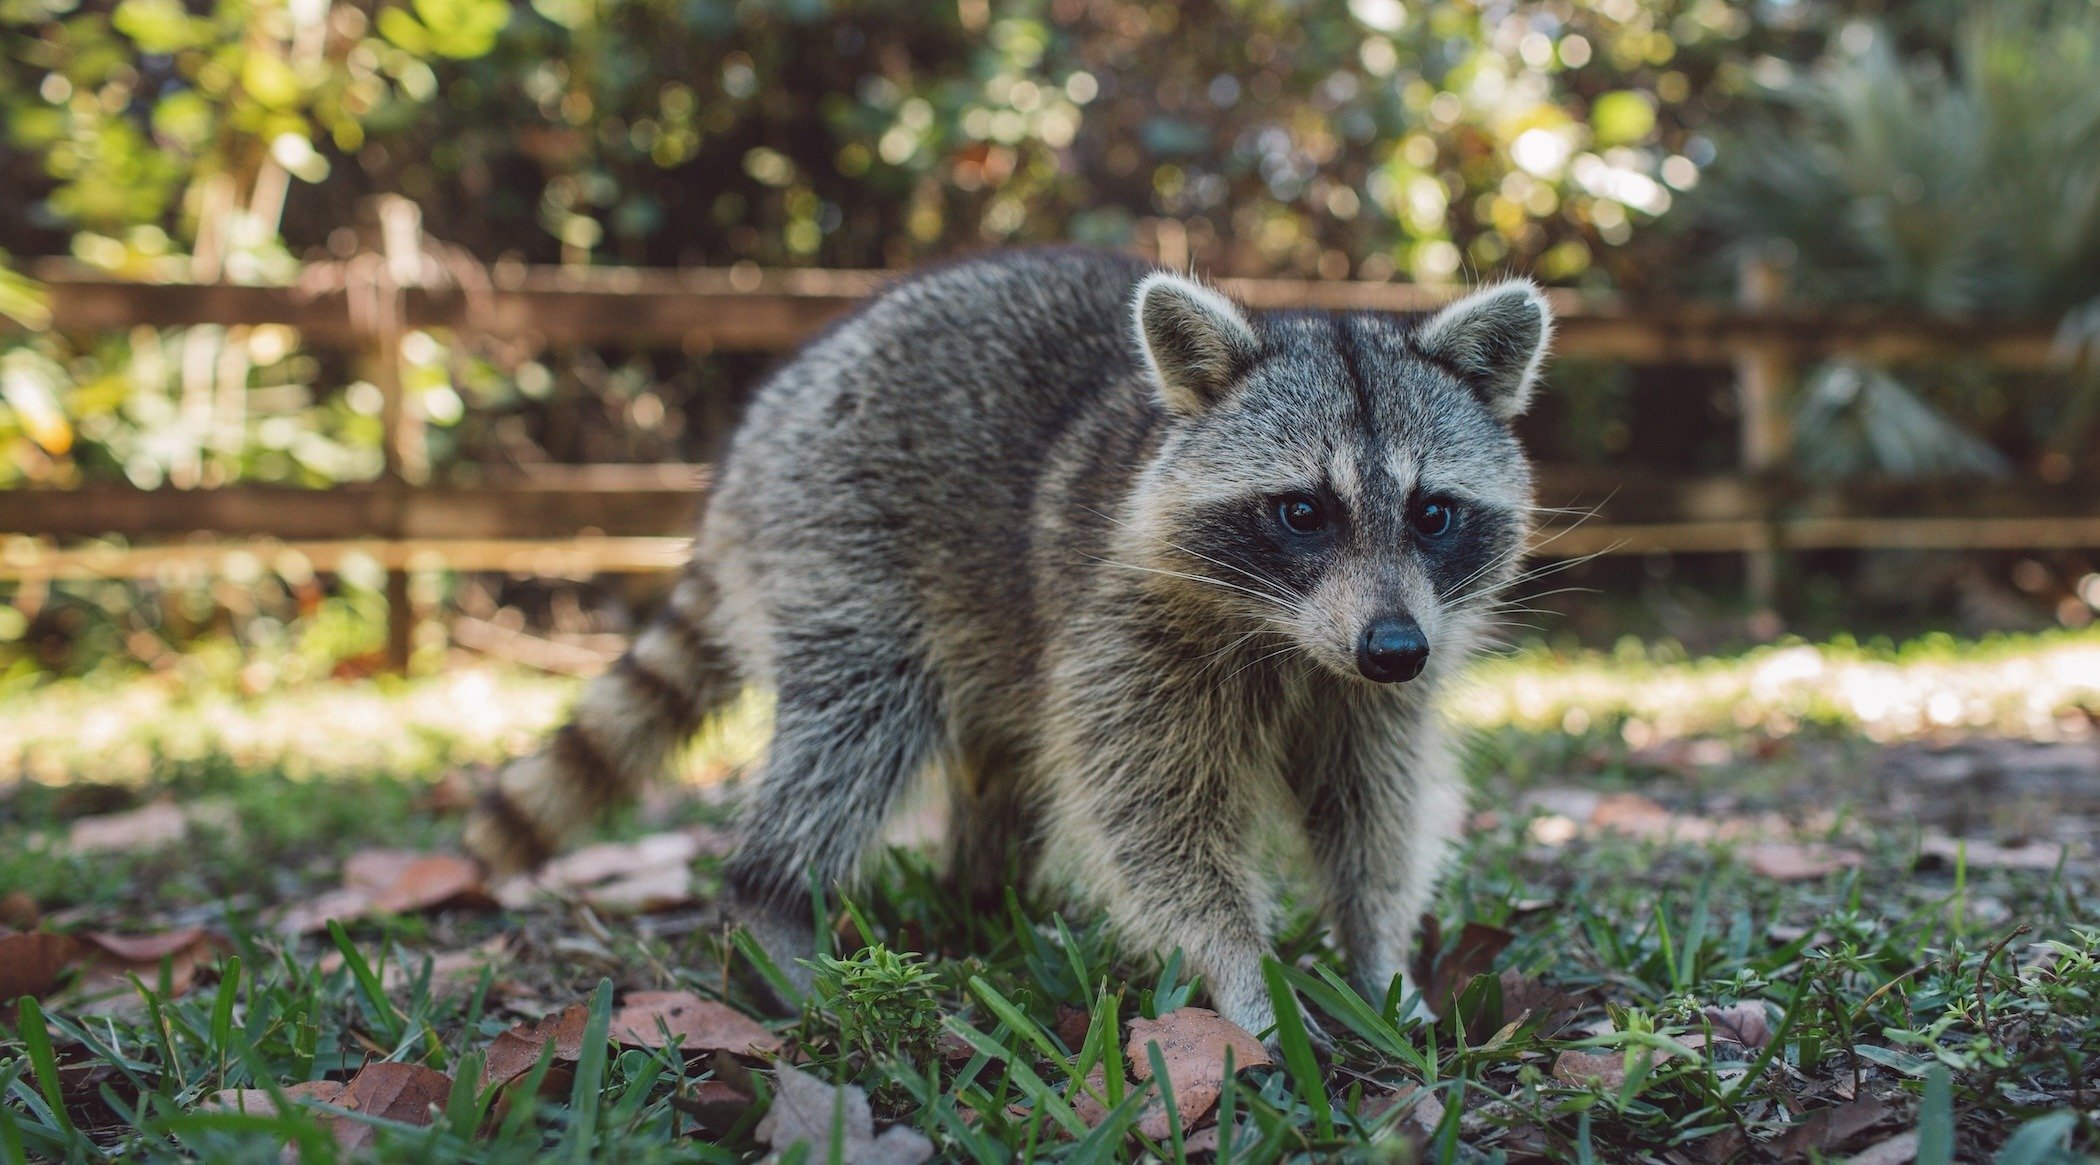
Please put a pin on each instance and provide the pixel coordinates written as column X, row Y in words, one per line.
column 1393, row 650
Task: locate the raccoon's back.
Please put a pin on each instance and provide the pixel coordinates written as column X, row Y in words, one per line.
column 906, row 445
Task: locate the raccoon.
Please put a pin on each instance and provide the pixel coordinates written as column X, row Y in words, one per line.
column 1135, row 574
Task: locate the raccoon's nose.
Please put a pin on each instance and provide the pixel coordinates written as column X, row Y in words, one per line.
column 1392, row 650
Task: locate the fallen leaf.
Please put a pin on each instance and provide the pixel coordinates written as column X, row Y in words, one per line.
column 1523, row 995
column 1473, row 954
column 602, row 863
column 1826, row 1129
column 30, row 963
column 1979, row 854
column 257, row 1101
column 1897, row 1150
column 430, row 880
column 1192, row 1044
column 1423, row 1109
column 1793, row 862
column 517, row 1050
column 1743, row 1023
column 1605, row 1068
column 113, row 958
column 654, row 1019
column 647, row 874
column 408, row 1093
column 806, row 1110
column 18, row 911
column 1091, row 1105
column 146, row 948
column 393, row 882
column 153, row 826
column 1632, row 815
column 663, row 888
column 451, row 973
column 715, row 1104
column 899, row 1145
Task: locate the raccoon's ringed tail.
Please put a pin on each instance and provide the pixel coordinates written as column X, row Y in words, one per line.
column 624, row 729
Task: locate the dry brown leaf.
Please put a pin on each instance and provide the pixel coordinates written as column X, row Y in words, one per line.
column 653, row 1019
column 391, row 881
column 1091, row 1104
column 663, row 888
column 30, row 963
column 806, row 1110
column 1604, row 1068
column 1743, row 1023
column 1632, row 815
column 1786, row 861
column 430, row 880
column 153, row 826
column 1897, row 1150
column 113, row 958
column 603, row 863
column 146, row 948
column 258, row 1102
column 649, row 873
column 18, row 911
column 1192, row 1043
column 1980, row 854
column 1424, row 1108
column 517, row 1050
column 1827, row 1129
column 715, row 1104
column 408, row 1093
column 1523, row 995
column 1473, row 954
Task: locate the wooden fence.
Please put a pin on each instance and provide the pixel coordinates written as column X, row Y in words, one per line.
column 583, row 519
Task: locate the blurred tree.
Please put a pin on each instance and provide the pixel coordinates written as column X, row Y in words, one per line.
column 1959, row 177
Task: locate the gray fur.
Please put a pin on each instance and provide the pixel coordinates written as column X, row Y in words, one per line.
column 1014, row 524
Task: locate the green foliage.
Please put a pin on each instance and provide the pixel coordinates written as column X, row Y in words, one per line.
column 1963, row 184
column 882, row 1002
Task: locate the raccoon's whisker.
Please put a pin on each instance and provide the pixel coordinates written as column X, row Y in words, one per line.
column 1286, row 649
column 1212, row 656
column 1493, row 564
column 1241, row 570
column 1541, row 571
column 1272, row 600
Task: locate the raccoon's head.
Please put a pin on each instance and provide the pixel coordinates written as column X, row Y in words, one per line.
column 1347, row 482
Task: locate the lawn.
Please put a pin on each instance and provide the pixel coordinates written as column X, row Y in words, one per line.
column 1815, row 901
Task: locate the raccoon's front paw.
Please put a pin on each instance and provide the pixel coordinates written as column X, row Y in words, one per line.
column 1322, row 1043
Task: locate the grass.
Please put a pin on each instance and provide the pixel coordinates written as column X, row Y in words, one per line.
column 1959, row 997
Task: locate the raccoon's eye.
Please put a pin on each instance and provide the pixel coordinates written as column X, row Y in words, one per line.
column 1301, row 514
column 1433, row 516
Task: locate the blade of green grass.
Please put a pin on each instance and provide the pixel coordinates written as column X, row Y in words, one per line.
column 1297, row 1048
column 1936, row 1118
column 590, row 1074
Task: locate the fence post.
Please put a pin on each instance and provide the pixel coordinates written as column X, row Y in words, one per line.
column 1763, row 370
column 405, row 459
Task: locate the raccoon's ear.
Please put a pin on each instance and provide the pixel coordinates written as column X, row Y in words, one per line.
column 1196, row 342
column 1495, row 340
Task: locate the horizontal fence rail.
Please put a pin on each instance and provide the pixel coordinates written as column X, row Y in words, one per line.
column 578, row 520
column 744, row 309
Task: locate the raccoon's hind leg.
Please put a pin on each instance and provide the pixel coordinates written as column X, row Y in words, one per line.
column 622, row 732
column 857, row 717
